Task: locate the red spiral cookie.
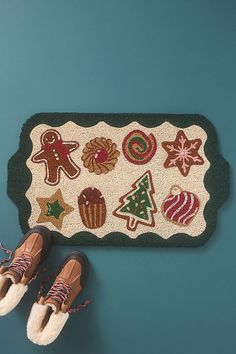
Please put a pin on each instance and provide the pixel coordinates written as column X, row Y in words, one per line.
column 138, row 147
column 92, row 208
column 180, row 207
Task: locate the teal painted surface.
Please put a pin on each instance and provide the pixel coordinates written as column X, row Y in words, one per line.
column 127, row 56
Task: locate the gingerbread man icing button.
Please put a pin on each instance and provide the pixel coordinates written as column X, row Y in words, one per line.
column 55, row 154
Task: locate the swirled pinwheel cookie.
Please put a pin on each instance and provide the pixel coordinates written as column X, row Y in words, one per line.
column 138, row 147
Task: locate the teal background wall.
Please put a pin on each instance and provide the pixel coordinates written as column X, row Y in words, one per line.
column 127, row 56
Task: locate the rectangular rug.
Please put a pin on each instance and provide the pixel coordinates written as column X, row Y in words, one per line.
column 119, row 179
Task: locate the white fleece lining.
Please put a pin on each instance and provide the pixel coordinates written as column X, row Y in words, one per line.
column 12, row 297
column 46, row 335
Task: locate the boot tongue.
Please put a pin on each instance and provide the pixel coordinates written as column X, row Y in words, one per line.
column 55, row 305
column 13, row 275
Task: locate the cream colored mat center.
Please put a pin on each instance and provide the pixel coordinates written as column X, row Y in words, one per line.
column 92, row 184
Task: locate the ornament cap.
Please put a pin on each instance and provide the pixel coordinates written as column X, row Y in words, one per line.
column 175, row 190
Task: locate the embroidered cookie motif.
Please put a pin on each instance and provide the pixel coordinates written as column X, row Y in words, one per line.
column 138, row 147
column 182, row 153
column 55, row 154
column 53, row 209
column 180, row 207
column 92, row 208
column 100, row 155
column 138, row 206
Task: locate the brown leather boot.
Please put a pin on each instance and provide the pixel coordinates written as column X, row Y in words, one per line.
column 49, row 315
column 14, row 278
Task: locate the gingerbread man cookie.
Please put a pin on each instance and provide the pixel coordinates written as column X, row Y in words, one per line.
column 55, row 154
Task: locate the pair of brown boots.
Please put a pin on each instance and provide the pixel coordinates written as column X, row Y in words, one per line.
column 50, row 313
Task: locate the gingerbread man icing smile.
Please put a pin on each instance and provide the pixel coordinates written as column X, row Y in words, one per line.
column 55, row 154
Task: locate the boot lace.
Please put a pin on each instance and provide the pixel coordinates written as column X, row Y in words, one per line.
column 59, row 291
column 21, row 264
column 8, row 252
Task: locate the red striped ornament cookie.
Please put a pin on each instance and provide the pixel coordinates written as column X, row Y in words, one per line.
column 180, row 207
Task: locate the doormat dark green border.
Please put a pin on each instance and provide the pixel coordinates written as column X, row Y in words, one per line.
column 216, row 179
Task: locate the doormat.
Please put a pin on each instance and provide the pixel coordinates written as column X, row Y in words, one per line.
column 119, row 179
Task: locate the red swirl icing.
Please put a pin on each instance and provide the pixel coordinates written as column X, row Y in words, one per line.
column 138, row 147
column 180, row 207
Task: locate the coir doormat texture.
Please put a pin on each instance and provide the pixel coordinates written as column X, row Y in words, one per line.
column 119, row 179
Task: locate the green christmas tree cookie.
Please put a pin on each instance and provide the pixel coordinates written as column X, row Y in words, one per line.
column 138, row 205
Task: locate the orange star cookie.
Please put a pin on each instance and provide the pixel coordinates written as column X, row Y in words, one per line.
column 53, row 209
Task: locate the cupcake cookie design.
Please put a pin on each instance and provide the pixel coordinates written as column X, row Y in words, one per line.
column 180, row 207
column 100, row 155
column 92, row 208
